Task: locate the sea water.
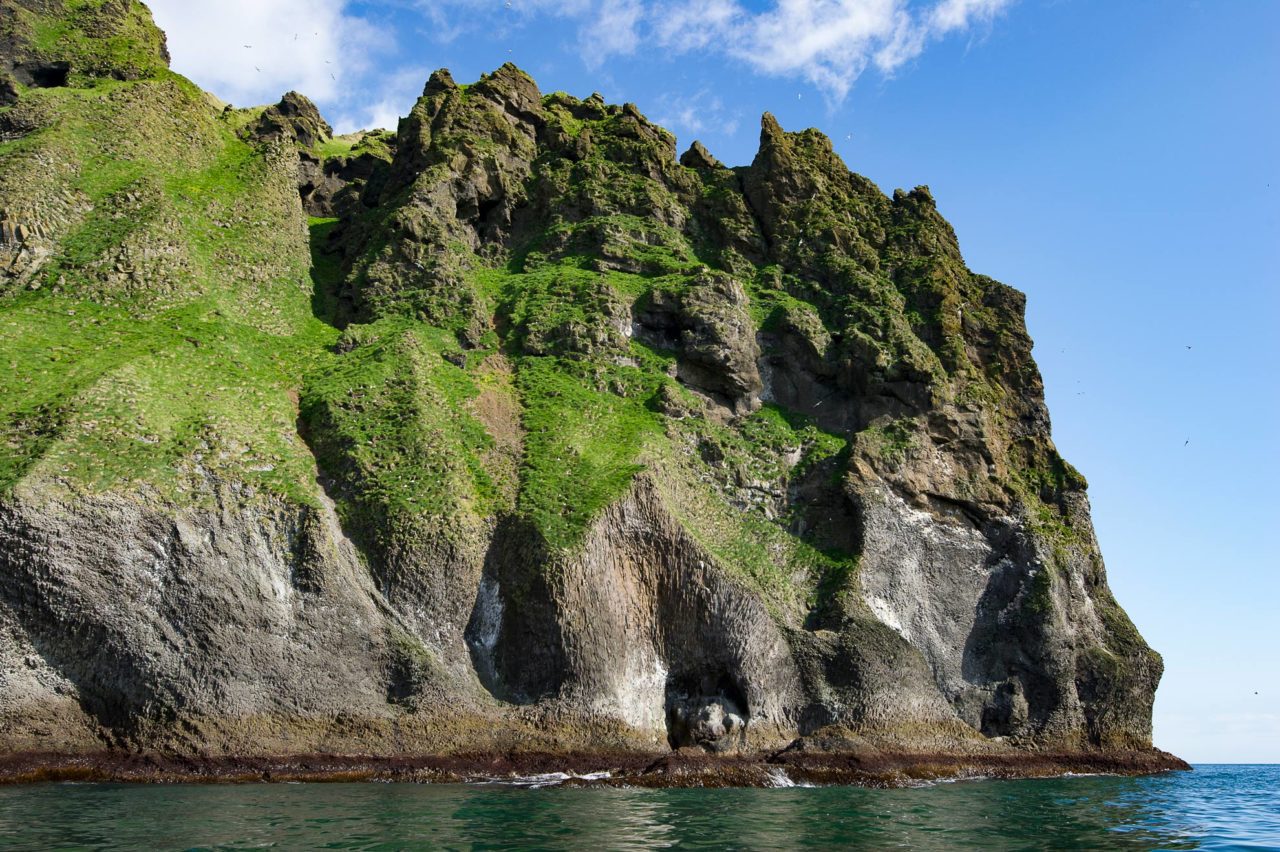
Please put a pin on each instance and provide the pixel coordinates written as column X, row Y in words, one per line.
column 1213, row 807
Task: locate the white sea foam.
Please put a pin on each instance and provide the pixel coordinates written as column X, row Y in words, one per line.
column 545, row 779
column 780, row 778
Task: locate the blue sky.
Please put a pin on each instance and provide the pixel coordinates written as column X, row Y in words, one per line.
column 1117, row 161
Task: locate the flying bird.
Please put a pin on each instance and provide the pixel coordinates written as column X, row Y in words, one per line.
column 1188, row 441
column 249, row 47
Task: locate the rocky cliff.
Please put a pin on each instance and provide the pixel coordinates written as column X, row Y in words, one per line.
column 511, row 429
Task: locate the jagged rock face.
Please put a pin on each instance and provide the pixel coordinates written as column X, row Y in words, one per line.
column 294, row 119
column 563, row 443
column 330, row 183
column 708, row 324
column 140, row 609
column 342, row 185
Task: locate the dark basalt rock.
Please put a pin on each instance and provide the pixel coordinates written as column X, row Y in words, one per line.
column 341, row 186
column 698, row 157
column 708, row 325
column 294, row 119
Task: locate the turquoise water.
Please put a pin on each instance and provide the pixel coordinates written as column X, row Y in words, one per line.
column 1215, row 807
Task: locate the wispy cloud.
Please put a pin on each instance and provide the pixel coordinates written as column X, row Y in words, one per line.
column 252, row 51
column 613, row 28
column 959, row 14
column 394, row 97
column 699, row 113
column 829, row 43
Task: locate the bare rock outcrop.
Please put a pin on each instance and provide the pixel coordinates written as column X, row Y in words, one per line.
column 639, row 624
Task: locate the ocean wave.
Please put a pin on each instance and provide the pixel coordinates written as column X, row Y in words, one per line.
column 545, row 779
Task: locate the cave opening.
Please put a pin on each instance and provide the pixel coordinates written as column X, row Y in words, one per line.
column 45, row 75
column 705, row 710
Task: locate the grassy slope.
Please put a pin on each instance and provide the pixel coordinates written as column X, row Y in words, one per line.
column 203, row 366
column 172, row 325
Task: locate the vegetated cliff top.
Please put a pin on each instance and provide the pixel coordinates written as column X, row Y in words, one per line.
column 521, row 316
column 566, row 207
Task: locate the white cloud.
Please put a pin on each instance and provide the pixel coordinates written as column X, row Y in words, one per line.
column 694, row 25
column 612, row 30
column 692, row 115
column 959, row 14
column 252, row 51
column 396, row 96
column 828, row 43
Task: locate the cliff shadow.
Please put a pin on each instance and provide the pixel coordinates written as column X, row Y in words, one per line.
column 329, row 303
column 1001, row 654
column 514, row 635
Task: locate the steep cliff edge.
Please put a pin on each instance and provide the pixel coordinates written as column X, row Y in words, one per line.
column 510, row 431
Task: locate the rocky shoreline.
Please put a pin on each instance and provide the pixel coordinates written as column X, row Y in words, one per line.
column 684, row 768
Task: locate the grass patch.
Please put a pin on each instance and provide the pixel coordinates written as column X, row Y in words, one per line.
column 890, row 441
column 339, row 146
column 582, row 446
column 95, row 38
column 99, row 399
column 388, row 418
